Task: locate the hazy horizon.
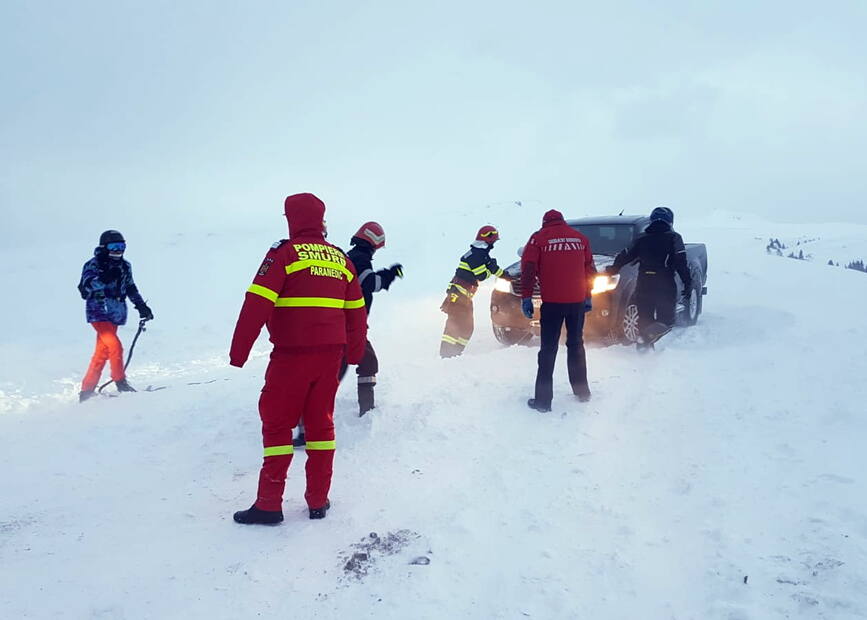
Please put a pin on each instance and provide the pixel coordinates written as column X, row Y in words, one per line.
column 126, row 114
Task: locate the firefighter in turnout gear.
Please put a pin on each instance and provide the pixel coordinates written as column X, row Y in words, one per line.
column 562, row 260
column 369, row 238
column 307, row 293
column 475, row 265
column 660, row 254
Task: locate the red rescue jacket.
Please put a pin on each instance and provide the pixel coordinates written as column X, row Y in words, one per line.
column 306, row 291
column 561, row 258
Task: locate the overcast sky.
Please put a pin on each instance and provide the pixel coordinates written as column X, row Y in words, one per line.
column 119, row 113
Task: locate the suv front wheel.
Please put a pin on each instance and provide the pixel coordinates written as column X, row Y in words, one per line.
column 511, row 335
column 629, row 323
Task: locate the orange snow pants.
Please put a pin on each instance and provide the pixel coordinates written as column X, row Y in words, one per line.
column 108, row 348
column 300, row 385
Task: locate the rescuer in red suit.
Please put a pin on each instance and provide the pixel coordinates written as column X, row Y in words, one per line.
column 307, row 292
column 561, row 258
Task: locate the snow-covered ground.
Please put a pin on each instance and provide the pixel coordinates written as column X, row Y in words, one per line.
column 720, row 477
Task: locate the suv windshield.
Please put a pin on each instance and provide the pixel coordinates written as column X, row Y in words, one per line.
column 607, row 239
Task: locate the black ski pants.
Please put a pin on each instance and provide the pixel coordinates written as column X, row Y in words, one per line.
column 366, row 371
column 553, row 316
column 656, row 298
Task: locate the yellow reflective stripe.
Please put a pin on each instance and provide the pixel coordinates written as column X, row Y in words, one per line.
column 477, row 270
column 351, row 304
column 321, row 445
column 452, row 340
column 499, row 272
column 279, row 450
column 462, row 290
column 311, row 302
column 262, row 291
column 301, row 265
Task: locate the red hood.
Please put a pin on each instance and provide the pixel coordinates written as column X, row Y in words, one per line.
column 306, row 216
column 553, row 217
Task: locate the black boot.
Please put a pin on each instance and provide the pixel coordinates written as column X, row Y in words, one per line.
column 582, row 392
column 300, row 441
column 83, row 395
column 254, row 516
column 124, row 386
column 319, row 513
column 532, row 404
column 365, row 398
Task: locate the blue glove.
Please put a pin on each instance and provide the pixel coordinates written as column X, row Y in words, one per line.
column 588, row 304
column 527, row 307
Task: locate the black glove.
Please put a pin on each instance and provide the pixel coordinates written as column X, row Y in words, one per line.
column 145, row 313
column 396, row 270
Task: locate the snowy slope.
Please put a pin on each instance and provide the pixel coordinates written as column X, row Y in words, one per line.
column 733, row 453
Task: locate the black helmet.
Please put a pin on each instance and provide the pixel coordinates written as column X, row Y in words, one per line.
column 662, row 213
column 111, row 236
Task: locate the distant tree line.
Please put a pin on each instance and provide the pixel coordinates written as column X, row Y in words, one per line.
column 775, row 246
column 857, row 265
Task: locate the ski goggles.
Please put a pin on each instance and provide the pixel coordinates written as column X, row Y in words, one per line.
column 490, row 233
column 117, row 246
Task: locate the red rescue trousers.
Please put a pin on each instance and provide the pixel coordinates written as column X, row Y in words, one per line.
column 299, row 386
column 108, row 347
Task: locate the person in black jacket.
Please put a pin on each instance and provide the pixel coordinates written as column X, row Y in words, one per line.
column 369, row 238
column 660, row 254
column 475, row 265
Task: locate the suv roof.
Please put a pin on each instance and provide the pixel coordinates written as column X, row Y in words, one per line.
column 608, row 219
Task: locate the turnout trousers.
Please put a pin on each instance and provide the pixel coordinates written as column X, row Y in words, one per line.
column 458, row 305
column 299, row 386
column 656, row 298
column 108, row 348
column 366, row 372
column 553, row 316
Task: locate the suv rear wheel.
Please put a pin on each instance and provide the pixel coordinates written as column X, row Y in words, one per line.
column 692, row 308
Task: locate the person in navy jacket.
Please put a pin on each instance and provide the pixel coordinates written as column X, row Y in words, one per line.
column 369, row 238
column 106, row 282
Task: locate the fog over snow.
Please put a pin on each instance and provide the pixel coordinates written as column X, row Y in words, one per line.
column 157, row 116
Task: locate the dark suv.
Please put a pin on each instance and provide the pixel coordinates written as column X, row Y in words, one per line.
column 614, row 317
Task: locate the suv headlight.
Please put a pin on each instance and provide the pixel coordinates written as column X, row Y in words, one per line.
column 503, row 285
column 602, row 284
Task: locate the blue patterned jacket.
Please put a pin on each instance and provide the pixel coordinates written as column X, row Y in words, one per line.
column 105, row 284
